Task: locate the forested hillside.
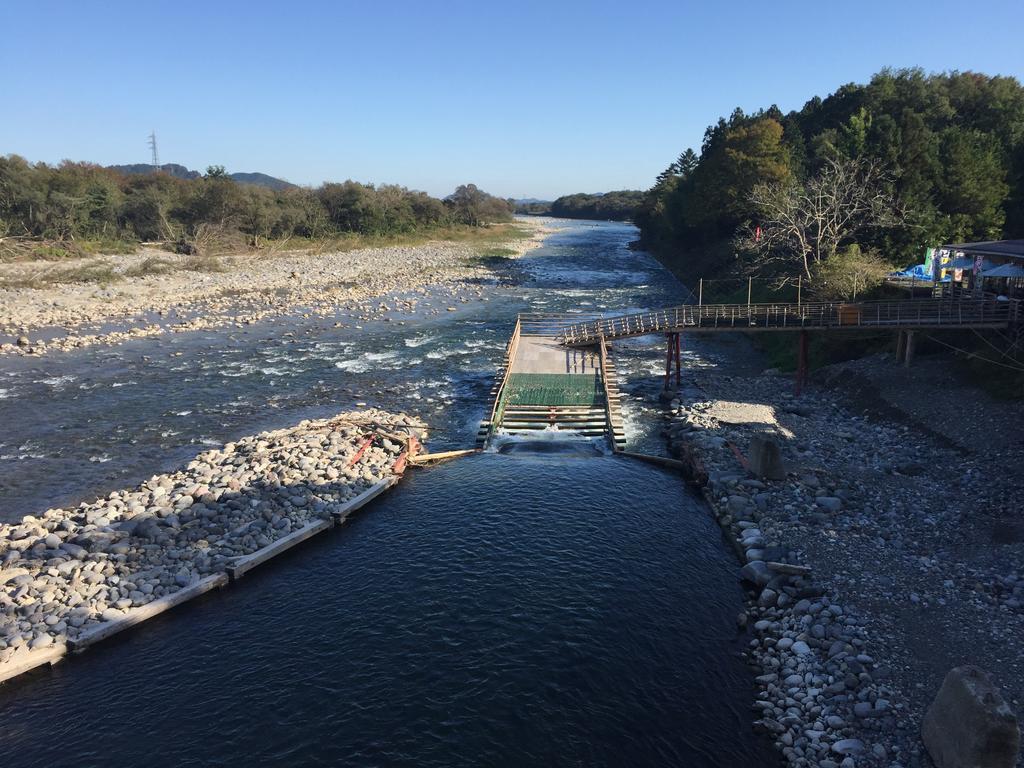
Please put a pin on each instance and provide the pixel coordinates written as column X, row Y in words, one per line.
column 619, row 206
column 81, row 201
column 181, row 172
column 911, row 159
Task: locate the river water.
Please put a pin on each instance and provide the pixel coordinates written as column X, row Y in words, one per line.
column 542, row 605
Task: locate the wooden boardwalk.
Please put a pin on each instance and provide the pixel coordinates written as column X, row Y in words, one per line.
column 918, row 314
column 544, row 385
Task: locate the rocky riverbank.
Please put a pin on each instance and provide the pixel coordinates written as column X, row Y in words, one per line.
column 887, row 555
column 239, row 291
column 69, row 570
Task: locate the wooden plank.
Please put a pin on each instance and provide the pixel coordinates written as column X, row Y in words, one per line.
column 25, row 662
column 248, row 562
column 661, row 461
column 139, row 614
column 424, row 458
column 339, row 515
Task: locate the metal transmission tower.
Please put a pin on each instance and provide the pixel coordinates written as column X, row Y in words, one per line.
column 152, row 146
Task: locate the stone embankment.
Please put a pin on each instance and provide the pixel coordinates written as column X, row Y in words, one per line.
column 240, row 291
column 865, row 569
column 69, row 571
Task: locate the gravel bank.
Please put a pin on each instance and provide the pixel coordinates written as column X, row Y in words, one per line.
column 251, row 288
column 69, row 570
column 906, row 521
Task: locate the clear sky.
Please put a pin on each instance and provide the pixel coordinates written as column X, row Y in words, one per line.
column 523, row 98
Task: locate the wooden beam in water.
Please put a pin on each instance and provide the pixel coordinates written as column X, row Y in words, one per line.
column 29, row 660
column 426, row 458
column 661, row 461
column 139, row 614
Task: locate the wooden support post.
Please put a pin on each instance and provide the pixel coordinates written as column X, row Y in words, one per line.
column 679, row 359
column 668, row 362
column 801, row 363
column 909, row 353
column 901, row 345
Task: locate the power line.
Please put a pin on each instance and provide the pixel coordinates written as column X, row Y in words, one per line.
column 975, row 355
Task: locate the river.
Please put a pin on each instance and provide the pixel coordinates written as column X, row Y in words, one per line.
column 544, row 605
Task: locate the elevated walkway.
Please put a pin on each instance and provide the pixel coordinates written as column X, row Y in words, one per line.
column 543, row 385
column 930, row 313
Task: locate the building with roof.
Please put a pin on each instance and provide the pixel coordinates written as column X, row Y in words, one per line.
column 990, row 266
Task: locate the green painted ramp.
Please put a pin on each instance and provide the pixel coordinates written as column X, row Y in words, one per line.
column 554, row 389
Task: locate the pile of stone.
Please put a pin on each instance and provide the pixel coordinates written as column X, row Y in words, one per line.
column 68, row 570
column 317, row 284
column 822, row 698
column 915, row 543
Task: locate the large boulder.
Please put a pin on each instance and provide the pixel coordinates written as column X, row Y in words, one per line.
column 766, row 458
column 969, row 725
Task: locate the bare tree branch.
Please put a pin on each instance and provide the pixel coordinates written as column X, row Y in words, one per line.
column 805, row 224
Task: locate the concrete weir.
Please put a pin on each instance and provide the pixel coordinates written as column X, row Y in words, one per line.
column 544, row 385
column 51, row 654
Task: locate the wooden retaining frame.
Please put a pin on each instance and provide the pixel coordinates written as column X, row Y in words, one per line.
column 612, row 402
column 339, row 516
column 139, row 614
column 245, row 564
column 26, row 662
column 50, row 655
column 498, row 392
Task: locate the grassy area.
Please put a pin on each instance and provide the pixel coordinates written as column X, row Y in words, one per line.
column 154, row 265
column 201, row 263
column 489, row 243
column 101, row 274
column 480, row 237
column 108, row 246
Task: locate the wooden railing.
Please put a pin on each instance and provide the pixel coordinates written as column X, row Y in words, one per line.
column 497, row 409
column 542, row 324
column 602, row 349
column 870, row 314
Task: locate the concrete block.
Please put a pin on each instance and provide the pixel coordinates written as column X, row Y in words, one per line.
column 969, row 725
column 766, row 458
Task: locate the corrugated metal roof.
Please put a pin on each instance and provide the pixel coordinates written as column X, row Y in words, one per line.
column 1012, row 249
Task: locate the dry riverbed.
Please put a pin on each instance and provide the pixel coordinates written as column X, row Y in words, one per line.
column 68, row 571
column 906, row 518
column 245, row 290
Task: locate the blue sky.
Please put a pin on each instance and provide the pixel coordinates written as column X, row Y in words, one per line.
column 522, row 98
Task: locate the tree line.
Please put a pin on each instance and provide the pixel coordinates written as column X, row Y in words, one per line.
column 870, row 174
column 81, row 201
column 620, row 205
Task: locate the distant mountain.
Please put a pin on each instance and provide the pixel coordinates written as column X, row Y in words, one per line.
column 532, row 205
column 181, row 172
column 261, row 180
column 171, row 169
